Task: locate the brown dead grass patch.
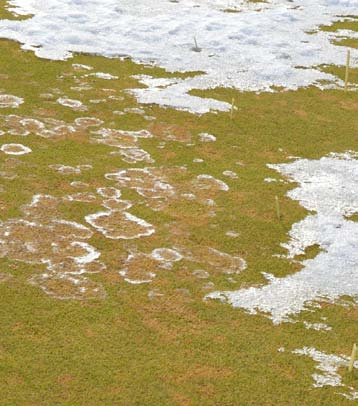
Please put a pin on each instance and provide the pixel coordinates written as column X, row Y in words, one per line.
column 211, row 152
column 181, row 400
column 65, row 379
column 200, row 373
column 349, row 104
column 301, row 113
column 171, row 132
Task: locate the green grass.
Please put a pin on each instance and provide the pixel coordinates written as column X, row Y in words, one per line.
column 350, row 24
column 175, row 349
column 6, row 14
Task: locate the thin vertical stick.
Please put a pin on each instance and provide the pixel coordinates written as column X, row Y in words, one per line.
column 278, row 211
column 347, row 70
column 196, row 48
column 353, row 358
column 232, row 108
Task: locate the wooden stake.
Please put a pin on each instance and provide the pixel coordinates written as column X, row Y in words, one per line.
column 196, row 48
column 232, row 108
column 347, row 70
column 353, row 358
column 278, row 211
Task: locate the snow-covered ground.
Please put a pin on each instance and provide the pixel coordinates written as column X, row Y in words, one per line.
column 329, row 187
column 265, row 44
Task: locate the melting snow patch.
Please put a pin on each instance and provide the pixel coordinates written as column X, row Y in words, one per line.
column 230, row 174
column 85, row 197
column 276, row 43
column 109, row 192
column 79, row 66
column 73, row 104
column 139, row 268
column 44, row 239
column 117, row 204
column 328, row 365
column 207, row 182
column 32, row 125
column 9, row 101
column 150, row 276
column 144, row 181
column 317, row 326
column 232, row 234
column 134, row 155
column 90, row 255
column 166, row 255
column 88, row 122
column 329, row 187
column 79, row 184
column 201, row 274
column 142, row 268
column 270, row 180
column 205, row 137
column 119, row 138
column 175, row 95
column 65, row 287
column 102, row 75
column 15, row 149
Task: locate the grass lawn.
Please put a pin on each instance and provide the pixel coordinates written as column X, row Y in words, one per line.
column 170, row 347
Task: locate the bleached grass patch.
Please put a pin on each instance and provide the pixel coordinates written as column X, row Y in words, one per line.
column 328, row 366
column 15, row 149
column 48, row 127
column 32, row 125
column 134, row 110
column 115, row 224
column 144, row 181
column 166, row 255
column 79, row 184
column 142, row 268
column 329, row 187
column 216, row 260
column 267, row 44
column 86, row 122
column 42, row 238
column 161, row 188
column 69, row 170
column 5, row 277
column 134, row 155
column 109, row 192
column 66, row 287
column 120, row 139
column 85, row 197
